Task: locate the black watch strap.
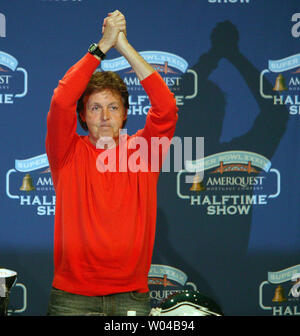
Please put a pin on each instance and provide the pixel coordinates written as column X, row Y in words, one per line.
column 94, row 50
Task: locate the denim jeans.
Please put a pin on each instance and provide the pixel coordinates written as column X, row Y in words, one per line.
column 3, row 305
column 67, row 304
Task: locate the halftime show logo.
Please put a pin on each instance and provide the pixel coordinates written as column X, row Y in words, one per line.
column 30, row 183
column 280, row 294
column 229, row 183
column 13, row 79
column 284, row 73
column 166, row 280
column 170, row 66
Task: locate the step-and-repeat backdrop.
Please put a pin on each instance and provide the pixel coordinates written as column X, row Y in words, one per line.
column 227, row 225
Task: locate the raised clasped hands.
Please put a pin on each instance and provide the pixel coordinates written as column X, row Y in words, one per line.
column 113, row 31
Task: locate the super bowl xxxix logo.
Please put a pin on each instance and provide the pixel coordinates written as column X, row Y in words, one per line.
column 165, row 280
column 228, row 183
column 170, row 66
column 30, row 183
column 280, row 293
column 284, row 74
column 13, row 79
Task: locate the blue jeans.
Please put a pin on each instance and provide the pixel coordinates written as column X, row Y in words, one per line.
column 67, row 304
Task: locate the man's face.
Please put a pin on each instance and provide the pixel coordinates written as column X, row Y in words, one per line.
column 104, row 115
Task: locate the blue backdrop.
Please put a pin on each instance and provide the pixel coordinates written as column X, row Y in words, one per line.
column 233, row 66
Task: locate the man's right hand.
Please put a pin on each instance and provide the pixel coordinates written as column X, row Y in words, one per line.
column 114, row 35
column 113, row 24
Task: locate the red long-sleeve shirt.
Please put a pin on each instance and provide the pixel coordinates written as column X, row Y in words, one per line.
column 104, row 222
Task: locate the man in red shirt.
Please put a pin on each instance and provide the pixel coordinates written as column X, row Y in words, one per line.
column 104, row 220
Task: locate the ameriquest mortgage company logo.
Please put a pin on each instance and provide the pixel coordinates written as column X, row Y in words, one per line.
column 284, row 73
column 170, row 66
column 13, row 79
column 279, row 294
column 30, row 184
column 165, row 280
column 234, row 182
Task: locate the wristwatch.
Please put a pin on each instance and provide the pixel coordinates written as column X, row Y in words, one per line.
column 94, row 50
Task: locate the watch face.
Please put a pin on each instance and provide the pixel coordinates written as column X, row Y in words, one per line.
column 93, row 47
